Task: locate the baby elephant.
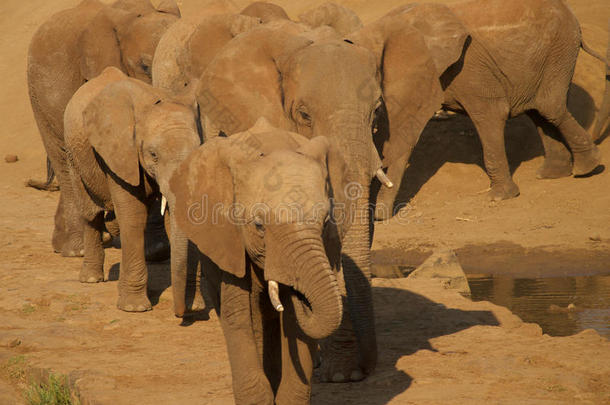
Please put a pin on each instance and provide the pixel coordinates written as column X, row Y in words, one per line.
column 258, row 206
column 124, row 139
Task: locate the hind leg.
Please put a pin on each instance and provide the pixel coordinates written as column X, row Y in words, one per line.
column 585, row 154
column 557, row 157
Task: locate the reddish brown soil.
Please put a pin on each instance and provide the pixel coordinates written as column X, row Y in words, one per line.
column 435, row 346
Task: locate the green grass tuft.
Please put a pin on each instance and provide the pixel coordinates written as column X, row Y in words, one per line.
column 54, row 392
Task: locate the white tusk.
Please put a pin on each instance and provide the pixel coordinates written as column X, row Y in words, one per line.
column 274, row 296
column 163, row 204
column 383, row 178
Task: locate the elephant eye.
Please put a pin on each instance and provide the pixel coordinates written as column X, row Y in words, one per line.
column 153, row 155
column 258, row 224
column 304, row 118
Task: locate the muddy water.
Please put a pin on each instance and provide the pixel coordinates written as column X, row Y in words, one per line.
column 560, row 305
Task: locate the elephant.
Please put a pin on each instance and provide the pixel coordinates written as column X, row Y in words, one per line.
column 315, row 88
column 518, row 57
column 70, row 48
column 265, row 209
column 604, row 111
column 188, row 46
column 124, row 139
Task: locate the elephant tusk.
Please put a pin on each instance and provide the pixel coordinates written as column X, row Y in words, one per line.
column 383, row 178
column 274, row 296
column 163, row 204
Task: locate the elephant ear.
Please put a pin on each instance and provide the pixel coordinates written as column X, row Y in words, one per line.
column 203, row 189
column 109, row 123
column 320, row 149
column 412, row 54
column 99, row 43
column 243, row 82
column 334, row 15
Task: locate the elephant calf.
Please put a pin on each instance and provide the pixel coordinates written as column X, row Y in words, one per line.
column 257, row 205
column 124, row 139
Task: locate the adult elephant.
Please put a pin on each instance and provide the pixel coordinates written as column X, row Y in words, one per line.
column 187, row 48
column 519, row 59
column 604, row 111
column 326, row 88
column 72, row 47
column 124, row 139
column 258, row 206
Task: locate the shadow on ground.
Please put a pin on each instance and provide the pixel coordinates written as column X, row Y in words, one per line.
column 405, row 322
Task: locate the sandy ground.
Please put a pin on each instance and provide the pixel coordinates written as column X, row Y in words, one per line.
column 435, row 346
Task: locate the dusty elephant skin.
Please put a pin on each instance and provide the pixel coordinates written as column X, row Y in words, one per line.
column 326, row 88
column 124, row 139
column 74, row 46
column 492, row 60
column 257, row 205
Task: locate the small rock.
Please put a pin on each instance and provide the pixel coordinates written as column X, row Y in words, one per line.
column 444, row 266
column 11, row 158
column 595, row 238
column 14, row 343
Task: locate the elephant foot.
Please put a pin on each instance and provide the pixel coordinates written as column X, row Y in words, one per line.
column 73, row 248
column 339, row 362
column 554, row 169
column 586, row 162
column 503, row 191
column 157, row 251
column 91, row 274
column 134, row 303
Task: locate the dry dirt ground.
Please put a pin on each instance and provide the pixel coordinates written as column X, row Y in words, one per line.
column 435, row 346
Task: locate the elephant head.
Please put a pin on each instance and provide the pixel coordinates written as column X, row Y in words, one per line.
column 266, row 12
column 416, row 47
column 125, row 35
column 266, row 193
column 328, row 88
column 334, row 15
column 140, row 133
column 189, row 45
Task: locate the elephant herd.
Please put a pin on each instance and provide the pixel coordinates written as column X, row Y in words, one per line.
column 257, row 141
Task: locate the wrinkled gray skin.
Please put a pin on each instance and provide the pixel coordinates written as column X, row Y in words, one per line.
column 74, row 46
column 604, row 111
column 325, row 89
column 519, row 58
column 283, row 232
column 124, row 139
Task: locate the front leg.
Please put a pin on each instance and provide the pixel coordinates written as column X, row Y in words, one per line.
column 131, row 212
column 93, row 262
column 297, row 360
column 250, row 386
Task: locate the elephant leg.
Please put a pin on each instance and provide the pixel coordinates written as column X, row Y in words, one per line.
column 386, row 199
column 250, row 385
column 93, row 262
column 490, row 126
column 585, row 154
column 67, row 236
column 131, row 212
column 297, row 360
column 557, row 157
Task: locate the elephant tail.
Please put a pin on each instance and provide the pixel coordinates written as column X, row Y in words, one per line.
column 596, row 55
column 48, row 184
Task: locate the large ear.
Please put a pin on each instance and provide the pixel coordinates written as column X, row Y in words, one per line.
column 412, row 57
column 334, row 15
column 99, row 43
column 203, row 189
column 109, row 122
column 243, row 82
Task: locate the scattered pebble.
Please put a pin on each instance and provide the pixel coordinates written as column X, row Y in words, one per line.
column 11, row 158
column 595, row 238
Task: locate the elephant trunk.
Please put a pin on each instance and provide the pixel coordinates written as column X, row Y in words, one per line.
column 320, row 315
column 178, row 261
column 355, row 259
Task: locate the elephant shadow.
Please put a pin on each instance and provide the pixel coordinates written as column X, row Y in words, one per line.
column 405, row 323
column 455, row 140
